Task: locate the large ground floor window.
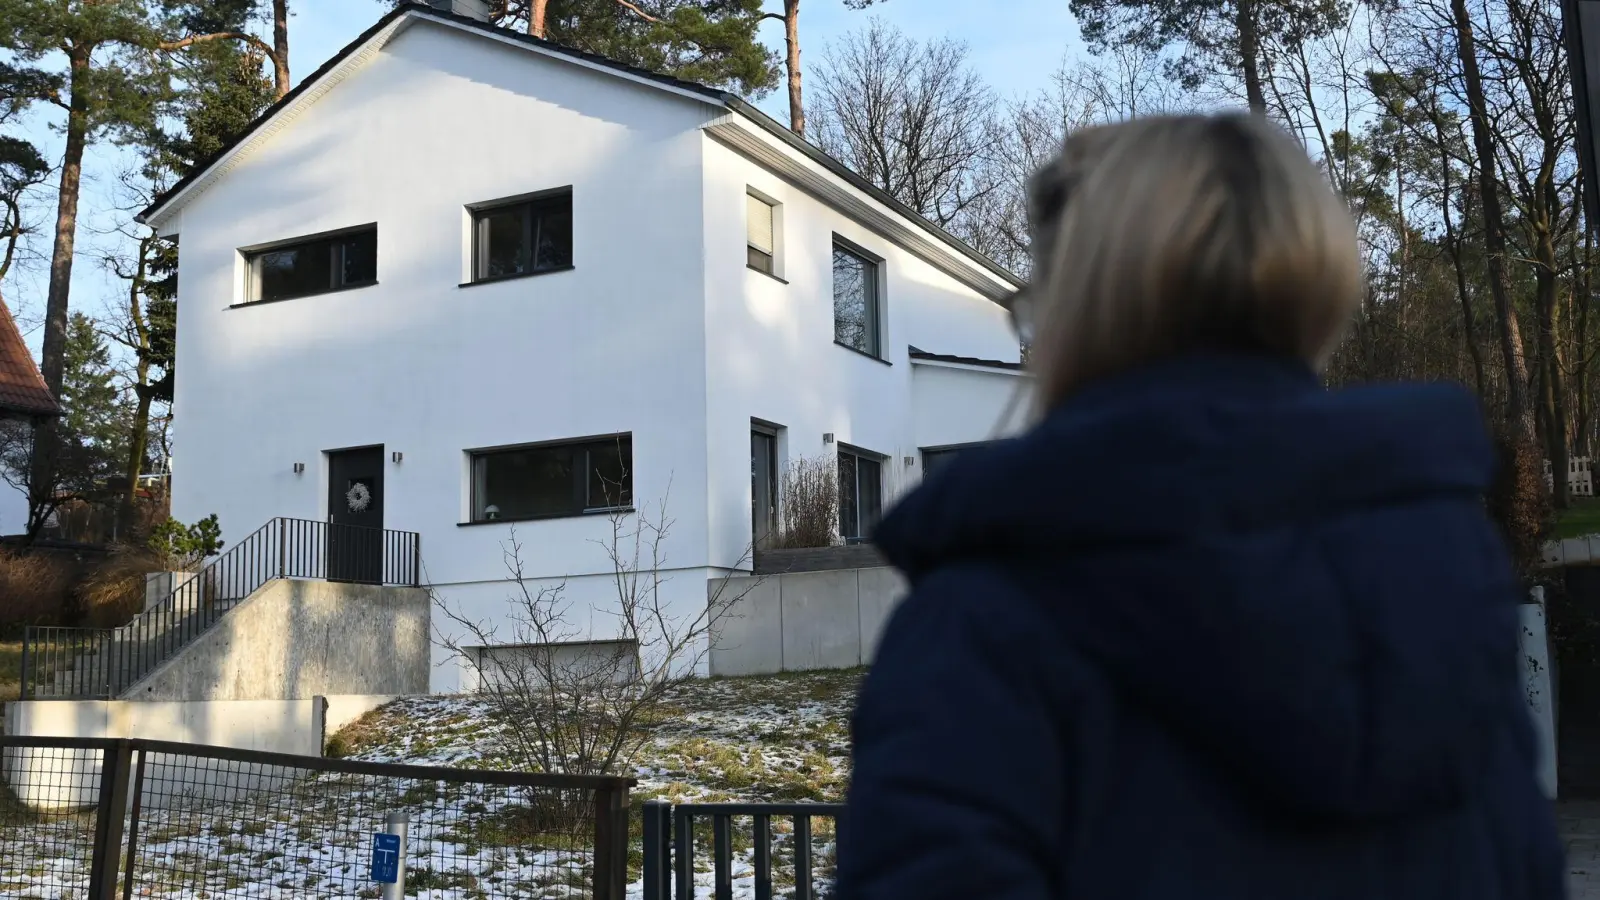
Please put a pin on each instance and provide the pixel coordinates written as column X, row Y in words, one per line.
column 544, row 481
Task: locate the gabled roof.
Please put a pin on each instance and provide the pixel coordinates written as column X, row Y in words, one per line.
column 371, row 40
column 22, row 388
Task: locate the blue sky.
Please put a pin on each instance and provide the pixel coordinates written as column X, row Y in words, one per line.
column 1015, row 50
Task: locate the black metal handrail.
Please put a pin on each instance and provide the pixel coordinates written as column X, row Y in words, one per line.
column 669, row 846
column 102, row 663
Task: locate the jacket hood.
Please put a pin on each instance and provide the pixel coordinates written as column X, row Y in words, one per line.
column 1302, row 585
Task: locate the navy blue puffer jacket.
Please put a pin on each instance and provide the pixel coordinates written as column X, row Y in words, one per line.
column 1208, row 631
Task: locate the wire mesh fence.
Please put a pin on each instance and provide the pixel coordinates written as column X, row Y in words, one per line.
column 48, row 818
column 149, row 819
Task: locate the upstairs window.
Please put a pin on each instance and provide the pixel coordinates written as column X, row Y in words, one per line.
column 315, row 266
column 860, row 493
column 761, row 237
column 855, row 301
column 547, row 481
column 522, row 237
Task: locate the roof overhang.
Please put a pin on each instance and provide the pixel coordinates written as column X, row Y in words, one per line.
column 1582, row 27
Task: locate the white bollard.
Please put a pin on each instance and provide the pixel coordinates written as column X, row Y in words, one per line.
column 1534, row 644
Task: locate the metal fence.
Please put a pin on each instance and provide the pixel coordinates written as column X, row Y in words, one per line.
column 778, row 847
column 104, row 819
column 102, row 663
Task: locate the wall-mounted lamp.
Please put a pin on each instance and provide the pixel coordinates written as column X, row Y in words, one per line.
column 299, row 468
column 911, row 461
column 397, row 456
column 827, row 438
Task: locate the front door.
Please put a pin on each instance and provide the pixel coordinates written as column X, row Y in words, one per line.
column 355, row 515
column 763, row 489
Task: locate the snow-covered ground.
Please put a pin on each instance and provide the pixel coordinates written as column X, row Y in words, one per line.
column 770, row 739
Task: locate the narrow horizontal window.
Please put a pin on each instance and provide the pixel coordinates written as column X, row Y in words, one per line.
column 522, row 238
column 552, row 480
column 316, row 266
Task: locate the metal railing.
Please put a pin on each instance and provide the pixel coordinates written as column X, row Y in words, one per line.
column 111, row 818
column 97, row 664
column 802, row 855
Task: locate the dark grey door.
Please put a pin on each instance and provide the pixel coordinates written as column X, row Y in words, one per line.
column 763, row 488
column 355, row 515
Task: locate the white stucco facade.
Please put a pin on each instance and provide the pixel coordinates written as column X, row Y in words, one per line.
column 659, row 330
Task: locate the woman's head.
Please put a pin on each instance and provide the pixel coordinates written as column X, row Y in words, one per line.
column 1163, row 236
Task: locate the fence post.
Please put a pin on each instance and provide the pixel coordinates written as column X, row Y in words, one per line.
column 114, row 769
column 416, row 559
column 133, row 825
column 657, row 850
column 610, row 843
column 283, row 545
column 397, row 823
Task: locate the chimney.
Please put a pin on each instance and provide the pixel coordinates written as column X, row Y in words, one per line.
column 472, row 9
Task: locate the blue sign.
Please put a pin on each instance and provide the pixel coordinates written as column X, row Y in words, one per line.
column 386, row 858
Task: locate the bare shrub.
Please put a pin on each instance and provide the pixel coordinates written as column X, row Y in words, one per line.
column 35, row 589
column 566, row 702
column 810, row 503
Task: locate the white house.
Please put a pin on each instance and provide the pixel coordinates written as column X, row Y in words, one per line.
column 468, row 281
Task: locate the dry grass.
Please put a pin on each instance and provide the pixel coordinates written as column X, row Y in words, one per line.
column 114, row 592
column 10, row 671
column 35, row 589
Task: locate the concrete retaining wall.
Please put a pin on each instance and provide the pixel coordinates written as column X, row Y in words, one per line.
column 804, row 621
column 55, row 779
column 300, row 639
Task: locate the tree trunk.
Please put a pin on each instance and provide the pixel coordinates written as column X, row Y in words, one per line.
column 791, row 34
column 1581, row 299
column 1250, row 55
column 1518, row 409
column 41, row 483
column 536, row 11
column 1453, row 243
column 280, row 47
column 53, row 364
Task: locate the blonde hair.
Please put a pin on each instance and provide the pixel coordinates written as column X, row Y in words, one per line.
column 1162, row 236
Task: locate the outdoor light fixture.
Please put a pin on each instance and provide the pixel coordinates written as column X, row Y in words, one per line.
column 911, row 461
column 827, row 438
column 397, row 456
column 299, row 468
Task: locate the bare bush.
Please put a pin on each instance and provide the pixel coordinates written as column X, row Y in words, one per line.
column 566, row 702
column 810, row 503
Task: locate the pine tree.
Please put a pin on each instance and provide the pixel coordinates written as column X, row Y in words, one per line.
column 713, row 42
column 1233, row 33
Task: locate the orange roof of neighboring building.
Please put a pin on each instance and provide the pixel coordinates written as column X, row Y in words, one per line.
column 22, row 388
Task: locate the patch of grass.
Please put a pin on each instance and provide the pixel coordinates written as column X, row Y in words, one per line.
column 1579, row 519
column 10, row 671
